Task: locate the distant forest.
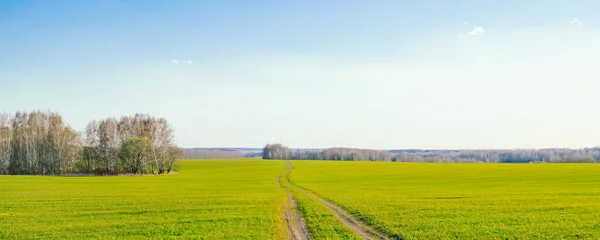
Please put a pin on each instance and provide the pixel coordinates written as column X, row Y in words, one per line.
column 221, row 153
column 557, row 155
column 42, row 143
column 279, row 151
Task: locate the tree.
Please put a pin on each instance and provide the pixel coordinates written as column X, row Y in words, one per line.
column 5, row 142
column 42, row 143
column 156, row 130
column 135, row 153
column 173, row 154
column 88, row 159
column 108, row 146
column 276, row 151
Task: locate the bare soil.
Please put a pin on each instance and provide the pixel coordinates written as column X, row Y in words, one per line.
column 295, row 222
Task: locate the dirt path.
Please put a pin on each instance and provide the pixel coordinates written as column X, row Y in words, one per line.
column 295, row 223
column 360, row 228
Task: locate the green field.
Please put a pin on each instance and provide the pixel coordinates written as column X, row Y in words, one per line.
column 208, row 199
column 466, row 201
column 242, row 199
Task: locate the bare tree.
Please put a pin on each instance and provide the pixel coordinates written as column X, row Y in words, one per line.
column 109, row 144
column 42, row 143
column 5, row 142
column 156, row 130
column 90, row 153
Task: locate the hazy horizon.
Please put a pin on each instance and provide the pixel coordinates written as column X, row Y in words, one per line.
column 385, row 75
column 393, row 149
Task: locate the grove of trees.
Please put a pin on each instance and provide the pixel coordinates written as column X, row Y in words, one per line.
column 277, row 151
column 41, row 143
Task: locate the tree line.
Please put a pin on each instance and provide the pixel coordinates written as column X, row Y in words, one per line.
column 553, row 155
column 211, row 154
column 280, row 151
column 550, row 155
column 42, row 143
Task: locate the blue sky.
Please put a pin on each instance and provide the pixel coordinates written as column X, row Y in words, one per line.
column 372, row 74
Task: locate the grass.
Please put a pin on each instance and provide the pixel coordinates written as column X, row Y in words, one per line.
column 234, row 199
column 463, row 201
column 320, row 221
column 241, row 199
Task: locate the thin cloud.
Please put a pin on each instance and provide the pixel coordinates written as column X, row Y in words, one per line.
column 478, row 31
column 576, row 22
column 177, row 61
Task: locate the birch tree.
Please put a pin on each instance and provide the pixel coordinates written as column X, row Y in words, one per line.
column 109, row 144
column 42, row 143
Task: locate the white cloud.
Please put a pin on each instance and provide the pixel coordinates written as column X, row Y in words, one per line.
column 576, row 22
column 476, row 32
column 466, row 23
column 176, row 61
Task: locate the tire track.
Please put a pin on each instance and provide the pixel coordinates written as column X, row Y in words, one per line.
column 295, row 222
column 360, row 228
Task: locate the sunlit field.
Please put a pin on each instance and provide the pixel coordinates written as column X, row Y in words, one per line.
column 245, row 199
column 208, row 199
column 465, row 201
